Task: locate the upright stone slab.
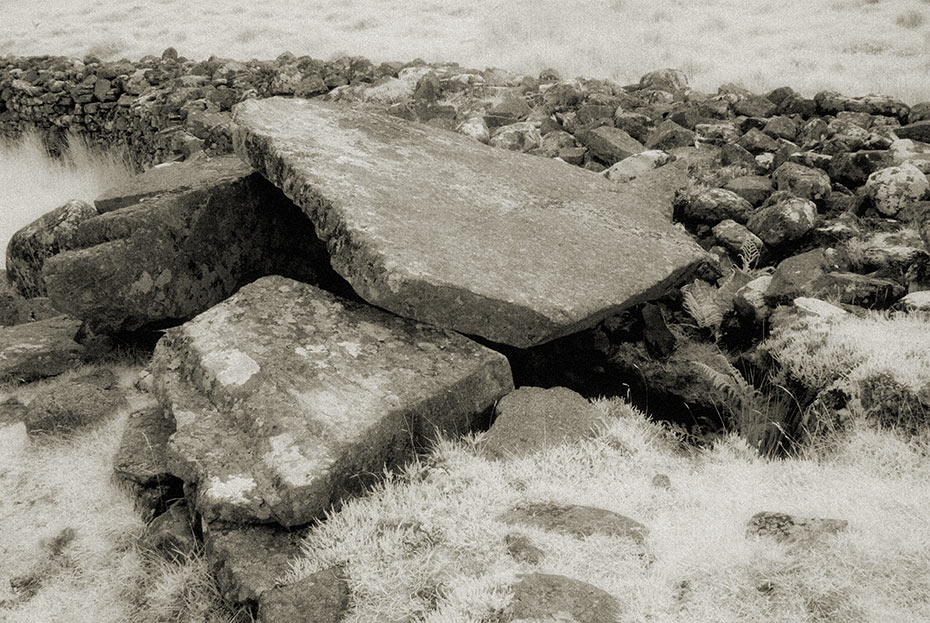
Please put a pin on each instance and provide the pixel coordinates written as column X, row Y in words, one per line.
column 439, row 228
column 287, row 398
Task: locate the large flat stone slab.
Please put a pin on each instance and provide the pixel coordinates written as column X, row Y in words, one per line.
column 286, row 398
column 439, row 228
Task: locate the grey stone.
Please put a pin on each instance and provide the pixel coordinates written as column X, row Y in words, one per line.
column 531, row 419
column 918, row 131
column 74, row 404
column 41, row 349
column 802, row 181
column 610, row 144
column 892, row 189
column 433, row 226
column 734, row 237
column 574, row 520
column 669, row 135
column 521, row 548
column 322, row 597
column 248, row 560
column 29, row 247
column 287, row 399
column 671, row 80
column 753, row 188
column 783, row 220
column 711, row 206
column 171, row 534
column 795, row 276
column 784, row 527
column 166, row 259
column 547, row 598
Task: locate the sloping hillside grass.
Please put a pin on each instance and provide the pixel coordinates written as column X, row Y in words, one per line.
column 854, row 46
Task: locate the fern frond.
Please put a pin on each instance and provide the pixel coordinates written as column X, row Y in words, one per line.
column 701, row 304
column 749, row 253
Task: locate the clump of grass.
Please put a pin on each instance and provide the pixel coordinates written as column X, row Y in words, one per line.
column 425, row 545
column 34, row 182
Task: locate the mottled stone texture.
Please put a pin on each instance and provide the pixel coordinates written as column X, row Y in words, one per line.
column 40, row 349
column 436, row 227
column 287, row 398
column 177, row 253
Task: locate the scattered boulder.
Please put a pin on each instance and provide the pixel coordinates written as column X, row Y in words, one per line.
column 852, row 169
column 522, row 136
column 711, row 206
column 796, row 275
column 531, row 419
column 29, row 247
column 541, row 597
column 734, row 237
column 388, row 240
column 40, row 349
column 170, row 257
column 917, row 131
column 669, row 135
column 671, row 80
column 753, row 188
column 633, row 166
column 260, row 388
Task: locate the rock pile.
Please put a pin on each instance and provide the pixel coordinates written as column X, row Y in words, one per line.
column 281, row 387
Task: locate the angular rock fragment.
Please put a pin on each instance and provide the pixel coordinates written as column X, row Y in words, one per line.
column 286, row 398
column 323, row 597
column 580, row 521
column 549, row 597
column 172, row 256
column 433, row 226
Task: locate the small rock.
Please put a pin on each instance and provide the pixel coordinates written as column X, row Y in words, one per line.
column 802, row 181
column 171, row 534
column 711, row 206
column 476, row 128
column 749, row 301
column 633, row 166
column 720, row 133
column 781, row 127
column 661, row 481
column 671, row 80
column 734, row 236
column 788, row 528
column 635, row 124
column 915, row 301
column 755, row 106
column 669, row 135
column 521, row 549
column 578, row 521
column 783, row 220
column 755, row 142
column 659, row 339
column 551, row 598
column 522, row 136
column 610, row 144
column 323, row 597
column 531, row 419
column 753, row 188
column 40, row 349
column 816, row 307
column 854, row 289
column 795, row 276
column 894, row 188
column 919, row 131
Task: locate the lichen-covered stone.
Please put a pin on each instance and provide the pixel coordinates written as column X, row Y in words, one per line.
column 286, row 398
column 784, row 219
column 558, row 598
column 433, row 226
column 531, row 419
column 173, row 255
column 323, row 597
column 36, row 350
column 579, row 521
column 894, row 188
column 32, row 245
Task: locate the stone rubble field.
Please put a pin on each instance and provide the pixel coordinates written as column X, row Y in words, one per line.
column 336, row 266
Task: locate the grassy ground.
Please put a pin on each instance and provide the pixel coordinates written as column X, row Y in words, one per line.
column 33, row 183
column 854, row 46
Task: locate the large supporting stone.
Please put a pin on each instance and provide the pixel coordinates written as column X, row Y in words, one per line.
column 439, row 228
column 200, row 233
column 287, row 398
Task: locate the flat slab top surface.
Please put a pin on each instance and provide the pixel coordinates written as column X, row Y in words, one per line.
column 434, row 226
column 284, row 393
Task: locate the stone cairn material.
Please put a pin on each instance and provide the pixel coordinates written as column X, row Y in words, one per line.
column 278, row 402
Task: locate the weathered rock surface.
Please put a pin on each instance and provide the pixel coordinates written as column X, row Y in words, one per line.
column 531, row 419
column 579, row 521
column 172, row 256
column 784, row 527
column 77, row 403
column 287, row 399
column 552, row 598
column 423, row 222
column 323, row 597
column 29, row 247
column 36, row 350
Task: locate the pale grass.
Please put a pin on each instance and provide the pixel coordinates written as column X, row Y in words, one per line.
column 853, row 46
column 425, row 545
column 853, row 348
column 105, row 575
column 34, row 184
